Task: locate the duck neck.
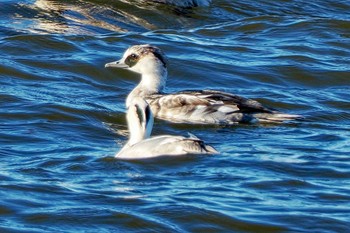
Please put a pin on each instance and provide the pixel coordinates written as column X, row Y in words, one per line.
column 137, row 130
column 151, row 83
column 134, row 138
column 154, row 81
column 140, row 121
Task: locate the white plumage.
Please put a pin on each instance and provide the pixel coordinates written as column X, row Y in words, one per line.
column 141, row 146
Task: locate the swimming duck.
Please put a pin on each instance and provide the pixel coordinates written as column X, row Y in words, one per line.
column 142, row 146
column 195, row 106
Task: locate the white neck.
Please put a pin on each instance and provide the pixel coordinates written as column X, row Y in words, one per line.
column 152, row 82
column 136, row 134
column 139, row 128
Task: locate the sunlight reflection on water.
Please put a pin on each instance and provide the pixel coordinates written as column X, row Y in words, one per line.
column 62, row 117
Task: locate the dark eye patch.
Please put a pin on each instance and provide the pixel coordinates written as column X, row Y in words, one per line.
column 131, row 60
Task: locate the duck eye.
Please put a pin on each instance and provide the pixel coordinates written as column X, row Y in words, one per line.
column 131, row 60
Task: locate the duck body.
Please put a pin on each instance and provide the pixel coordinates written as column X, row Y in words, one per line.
column 165, row 145
column 198, row 107
column 211, row 107
column 142, row 146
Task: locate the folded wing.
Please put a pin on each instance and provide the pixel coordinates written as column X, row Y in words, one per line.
column 212, row 107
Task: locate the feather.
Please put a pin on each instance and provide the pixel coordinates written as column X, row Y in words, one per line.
column 141, row 146
column 189, row 106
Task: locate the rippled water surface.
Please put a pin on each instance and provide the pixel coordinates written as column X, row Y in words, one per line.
column 62, row 117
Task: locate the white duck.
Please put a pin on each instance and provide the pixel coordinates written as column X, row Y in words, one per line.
column 141, row 146
column 197, row 106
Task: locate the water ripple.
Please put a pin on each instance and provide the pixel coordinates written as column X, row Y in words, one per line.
column 62, row 117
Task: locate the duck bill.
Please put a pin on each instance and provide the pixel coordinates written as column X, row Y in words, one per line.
column 117, row 64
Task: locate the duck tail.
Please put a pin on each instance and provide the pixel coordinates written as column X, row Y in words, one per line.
column 276, row 117
column 209, row 149
column 201, row 146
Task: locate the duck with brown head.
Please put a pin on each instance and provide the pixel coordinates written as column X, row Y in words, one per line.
column 198, row 106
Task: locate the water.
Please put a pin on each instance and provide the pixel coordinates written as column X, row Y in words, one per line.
column 62, row 117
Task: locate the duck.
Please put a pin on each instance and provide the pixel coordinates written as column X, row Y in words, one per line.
column 141, row 146
column 189, row 106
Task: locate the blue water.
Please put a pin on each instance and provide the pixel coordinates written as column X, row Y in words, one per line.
column 62, row 117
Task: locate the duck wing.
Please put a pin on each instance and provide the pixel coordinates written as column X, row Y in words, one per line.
column 212, row 107
column 224, row 98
